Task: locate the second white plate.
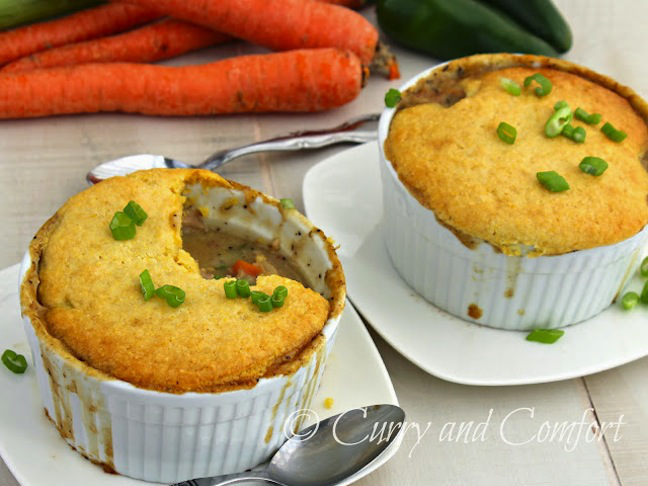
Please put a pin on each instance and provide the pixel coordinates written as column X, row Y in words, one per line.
column 343, row 196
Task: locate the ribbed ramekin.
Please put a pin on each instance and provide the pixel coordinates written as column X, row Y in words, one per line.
column 167, row 438
column 484, row 286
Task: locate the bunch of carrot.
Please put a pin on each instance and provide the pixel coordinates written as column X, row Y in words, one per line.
column 97, row 59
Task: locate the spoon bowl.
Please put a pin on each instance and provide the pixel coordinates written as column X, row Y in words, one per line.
column 328, row 452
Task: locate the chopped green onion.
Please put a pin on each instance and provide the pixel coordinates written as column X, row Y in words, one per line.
column 287, row 203
column 135, row 212
column 173, row 295
column 612, row 133
column 230, row 289
column 146, row 282
column 630, row 300
column 545, row 85
column 255, row 295
column 568, row 131
column 561, row 118
column 243, row 287
column 552, row 181
column 279, row 295
column 593, row 165
column 264, row 303
column 643, row 268
column 392, row 97
column 506, row 133
column 280, row 290
column 14, row 361
column 122, row 227
column 582, row 115
column 644, row 293
column 510, row 86
column 560, row 104
column 546, row 336
column 577, row 134
column 277, row 300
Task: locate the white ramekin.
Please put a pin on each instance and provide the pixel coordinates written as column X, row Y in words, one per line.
column 485, row 286
column 167, row 438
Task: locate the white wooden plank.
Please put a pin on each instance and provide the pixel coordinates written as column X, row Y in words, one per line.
column 492, row 462
column 623, row 392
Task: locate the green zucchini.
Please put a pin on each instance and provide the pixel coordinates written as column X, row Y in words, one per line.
column 447, row 29
column 540, row 17
column 17, row 12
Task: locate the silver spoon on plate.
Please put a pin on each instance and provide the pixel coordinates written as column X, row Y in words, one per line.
column 346, row 133
column 326, row 453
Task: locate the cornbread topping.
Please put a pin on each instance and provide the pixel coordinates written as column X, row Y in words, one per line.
column 443, row 143
column 85, row 293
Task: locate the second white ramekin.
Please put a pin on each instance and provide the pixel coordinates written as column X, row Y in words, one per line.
column 168, row 438
column 487, row 287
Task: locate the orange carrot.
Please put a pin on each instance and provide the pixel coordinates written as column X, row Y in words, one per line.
column 300, row 80
column 279, row 24
column 160, row 40
column 86, row 24
column 248, row 268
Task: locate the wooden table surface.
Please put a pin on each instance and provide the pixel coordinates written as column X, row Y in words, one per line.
column 43, row 162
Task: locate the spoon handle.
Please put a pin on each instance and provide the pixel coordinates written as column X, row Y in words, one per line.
column 346, row 132
column 231, row 479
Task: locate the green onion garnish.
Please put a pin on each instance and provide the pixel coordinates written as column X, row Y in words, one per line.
column 593, row 165
column 392, row 97
column 582, row 115
column 545, row 85
column 546, row 336
column 122, row 227
column 277, row 300
column 230, row 289
column 560, row 104
column 643, row 268
column 281, row 291
column 172, row 294
column 612, row 133
column 644, row 293
column 287, row 203
column 256, row 295
column 630, row 300
column 552, row 181
column 14, row 361
column 506, row 133
column 146, row 282
column 279, row 295
column 561, row 118
column 510, row 86
column 264, row 303
column 135, row 212
column 242, row 288
column 577, row 134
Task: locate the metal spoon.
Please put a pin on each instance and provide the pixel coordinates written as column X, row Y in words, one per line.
column 326, row 453
column 347, row 132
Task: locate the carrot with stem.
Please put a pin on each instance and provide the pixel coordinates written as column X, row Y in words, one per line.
column 160, row 40
column 86, row 24
column 300, row 80
column 279, row 24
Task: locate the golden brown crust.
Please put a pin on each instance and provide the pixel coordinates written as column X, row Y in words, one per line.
column 82, row 295
column 452, row 161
